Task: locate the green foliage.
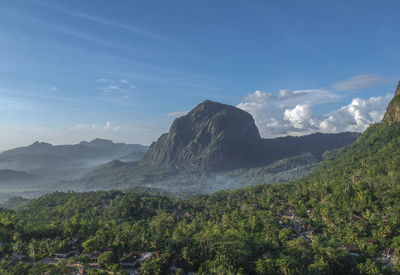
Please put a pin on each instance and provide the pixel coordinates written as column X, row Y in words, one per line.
column 353, row 198
column 107, row 259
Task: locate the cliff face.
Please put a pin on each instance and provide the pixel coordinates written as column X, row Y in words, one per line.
column 212, row 137
column 393, row 110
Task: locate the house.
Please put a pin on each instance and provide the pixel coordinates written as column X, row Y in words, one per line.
column 65, row 254
column 15, row 257
column 175, row 267
column 73, row 241
column 387, row 256
column 130, row 260
column 389, row 253
column 135, row 258
column 92, row 255
column 287, row 215
column 351, row 248
column 48, row 260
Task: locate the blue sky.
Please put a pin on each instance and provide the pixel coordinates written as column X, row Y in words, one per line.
column 123, row 70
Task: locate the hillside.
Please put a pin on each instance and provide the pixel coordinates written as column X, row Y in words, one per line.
column 8, row 176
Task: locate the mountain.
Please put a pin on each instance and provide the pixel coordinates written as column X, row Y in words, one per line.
column 11, row 176
column 393, row 110
column 66, row 161
column 211, row 137
column 216, row 137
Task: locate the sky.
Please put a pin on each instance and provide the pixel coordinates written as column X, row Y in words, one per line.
column 124, row 70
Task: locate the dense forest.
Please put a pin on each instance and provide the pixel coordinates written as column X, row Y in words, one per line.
column 341, row 218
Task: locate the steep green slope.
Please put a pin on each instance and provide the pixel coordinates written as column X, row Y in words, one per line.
column 362, row 180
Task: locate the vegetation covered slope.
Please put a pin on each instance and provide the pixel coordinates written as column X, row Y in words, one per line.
column 336, row 220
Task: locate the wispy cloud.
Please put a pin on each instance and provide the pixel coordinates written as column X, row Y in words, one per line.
column 126, row 82
column 103, row 80
column 361, row 82
column 108, row 126
column 54, row 89
column 132, row 29
column 118, row 92
column 177, row 114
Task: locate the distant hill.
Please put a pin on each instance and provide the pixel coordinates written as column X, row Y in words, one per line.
column 8, row 176
column 66, row 161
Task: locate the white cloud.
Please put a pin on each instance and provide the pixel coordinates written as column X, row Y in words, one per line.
column 113, row 93
column 356, row 116
column 122, row 26
column 361, row 82
column 102, row 80
column 54, row 89
column 177, row 114
column 106, row 127
column 291, row 112
column 129, row 84
column 300, row 116
column 269, row 110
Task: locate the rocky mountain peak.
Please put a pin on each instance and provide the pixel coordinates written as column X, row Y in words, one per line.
column 213, row 136
column 393, row 110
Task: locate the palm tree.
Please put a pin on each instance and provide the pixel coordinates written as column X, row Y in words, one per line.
column 32, row 248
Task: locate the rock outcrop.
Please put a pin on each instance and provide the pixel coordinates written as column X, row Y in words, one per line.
column 393, row 110
column 211, row 137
